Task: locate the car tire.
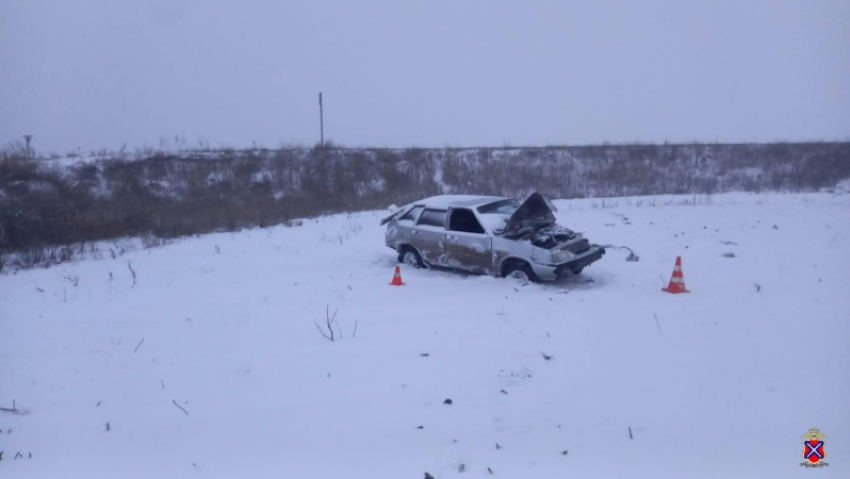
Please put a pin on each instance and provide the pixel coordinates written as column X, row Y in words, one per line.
column 409, row 256
column 578, row 270
column 521, row 271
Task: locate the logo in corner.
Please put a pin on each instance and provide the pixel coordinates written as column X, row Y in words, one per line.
column 814, row 449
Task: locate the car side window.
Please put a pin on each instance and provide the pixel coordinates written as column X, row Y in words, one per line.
column 433, row 218
column 412, row 214
column 464, row 220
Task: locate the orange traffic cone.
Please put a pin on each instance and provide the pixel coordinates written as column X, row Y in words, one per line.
column 677, row 281
column 397, row 277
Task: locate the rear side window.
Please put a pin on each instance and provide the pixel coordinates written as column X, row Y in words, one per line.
column 412, row 214
column 433, row 218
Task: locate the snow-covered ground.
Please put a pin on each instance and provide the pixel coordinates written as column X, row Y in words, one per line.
column 722, row 382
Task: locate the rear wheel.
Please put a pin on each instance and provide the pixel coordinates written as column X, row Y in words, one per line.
column 520, row 271
column 410, row 257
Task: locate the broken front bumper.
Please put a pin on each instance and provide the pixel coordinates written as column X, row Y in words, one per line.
column 549, row 272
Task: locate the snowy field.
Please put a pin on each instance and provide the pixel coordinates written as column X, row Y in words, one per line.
column 212, row 365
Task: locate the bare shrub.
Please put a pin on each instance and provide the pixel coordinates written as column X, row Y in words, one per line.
column 327, row 330
column 330, row 322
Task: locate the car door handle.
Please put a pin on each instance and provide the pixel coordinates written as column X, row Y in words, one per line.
column 452, row 237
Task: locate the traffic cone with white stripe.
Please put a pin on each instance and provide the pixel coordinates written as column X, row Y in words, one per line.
column 677, row 281
column 397, row 277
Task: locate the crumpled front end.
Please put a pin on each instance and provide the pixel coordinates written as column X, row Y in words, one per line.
column 559, row 252
column 579, row 261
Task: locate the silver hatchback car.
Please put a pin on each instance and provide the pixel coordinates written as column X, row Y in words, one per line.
column 489, row 235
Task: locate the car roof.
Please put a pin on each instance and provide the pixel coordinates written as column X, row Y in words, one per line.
column 448, row 201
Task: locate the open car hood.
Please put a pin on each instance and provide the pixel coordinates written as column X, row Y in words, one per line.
column 534, row 213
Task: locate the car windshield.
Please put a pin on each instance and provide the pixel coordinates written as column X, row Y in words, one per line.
column 501, row 207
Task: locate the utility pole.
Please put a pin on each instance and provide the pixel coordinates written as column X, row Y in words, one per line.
column 28, row 139
column 321, row 122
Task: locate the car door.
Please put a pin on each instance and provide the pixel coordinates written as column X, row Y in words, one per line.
column 467, row 245
column 429, row 236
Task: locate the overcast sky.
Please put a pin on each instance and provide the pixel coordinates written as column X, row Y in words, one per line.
column 101, row 73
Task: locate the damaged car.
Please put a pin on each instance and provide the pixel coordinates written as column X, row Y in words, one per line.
column 489, row 235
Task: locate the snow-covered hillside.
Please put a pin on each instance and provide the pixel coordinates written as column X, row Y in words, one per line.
column 211, row 364
column 49, row 208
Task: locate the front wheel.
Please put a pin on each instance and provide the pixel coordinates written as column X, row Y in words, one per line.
column 522, row 272
column 410, row 257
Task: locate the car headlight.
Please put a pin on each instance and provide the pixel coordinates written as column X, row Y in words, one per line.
column 561, row 256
